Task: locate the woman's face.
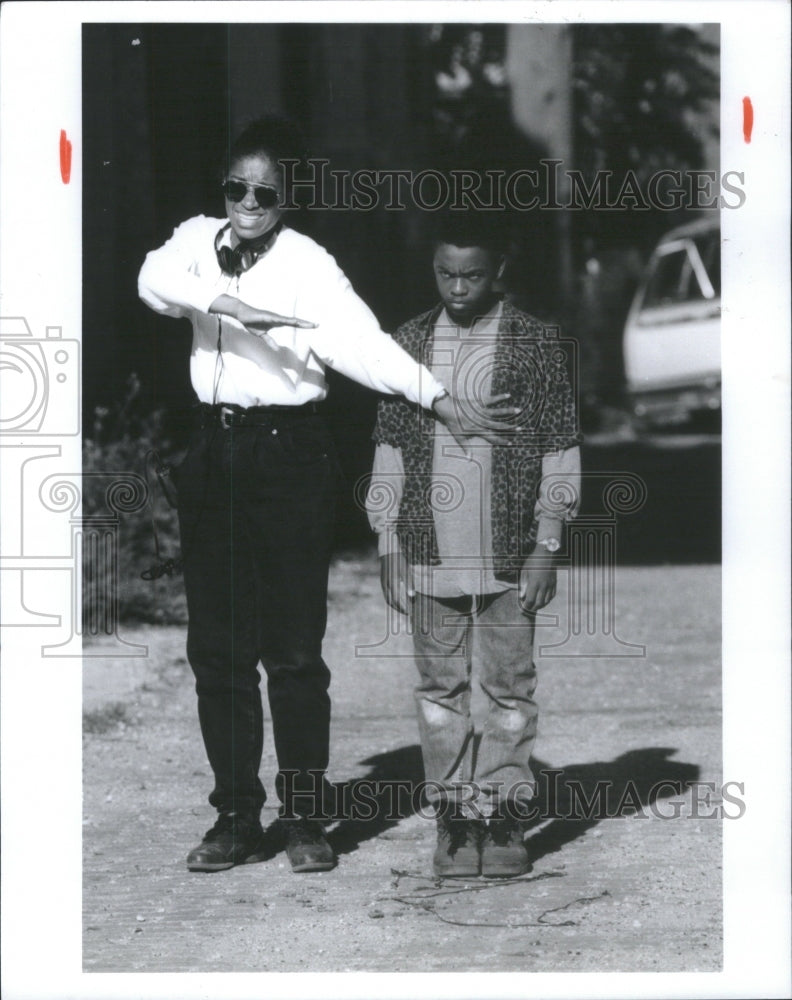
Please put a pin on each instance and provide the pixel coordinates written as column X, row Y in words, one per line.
column 248, row 219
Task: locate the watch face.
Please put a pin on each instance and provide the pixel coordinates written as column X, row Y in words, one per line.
column 551, row 544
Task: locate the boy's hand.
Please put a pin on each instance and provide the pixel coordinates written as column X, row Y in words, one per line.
column 394, row 579
column 537, row 581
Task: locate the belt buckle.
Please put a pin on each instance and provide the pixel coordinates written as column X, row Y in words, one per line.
column 225, row 415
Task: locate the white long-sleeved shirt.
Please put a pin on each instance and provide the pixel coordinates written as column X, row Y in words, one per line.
column 296, row 277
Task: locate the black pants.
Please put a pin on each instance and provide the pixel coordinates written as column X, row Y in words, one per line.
column 256, row 512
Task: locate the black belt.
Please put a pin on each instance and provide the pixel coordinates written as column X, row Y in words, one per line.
column 231, row 415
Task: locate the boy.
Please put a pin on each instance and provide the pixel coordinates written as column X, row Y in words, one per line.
column 468, row 546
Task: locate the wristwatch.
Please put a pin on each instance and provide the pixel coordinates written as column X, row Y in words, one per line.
column 550, row 544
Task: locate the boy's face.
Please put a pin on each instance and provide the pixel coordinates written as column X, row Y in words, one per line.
column 465, row 278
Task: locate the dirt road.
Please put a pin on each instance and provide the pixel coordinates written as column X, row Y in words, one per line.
column 637, row 892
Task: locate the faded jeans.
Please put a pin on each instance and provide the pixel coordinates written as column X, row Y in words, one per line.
column 449, row 634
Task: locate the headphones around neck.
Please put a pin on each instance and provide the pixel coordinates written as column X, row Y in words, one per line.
column 234, row 261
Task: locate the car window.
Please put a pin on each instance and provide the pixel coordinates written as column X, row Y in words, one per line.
column 709, row 249
column 681, row 273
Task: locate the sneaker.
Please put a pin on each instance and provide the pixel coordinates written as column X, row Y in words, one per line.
column 503, row 851
column 307, row 847
column 233, row 840
column 457, row 854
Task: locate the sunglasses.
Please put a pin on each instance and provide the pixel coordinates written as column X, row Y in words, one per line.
column 266, row 197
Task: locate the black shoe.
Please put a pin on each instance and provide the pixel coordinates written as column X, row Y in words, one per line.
column 457, row 854
column 306, row 846
column 235, row 839
column 503, row 851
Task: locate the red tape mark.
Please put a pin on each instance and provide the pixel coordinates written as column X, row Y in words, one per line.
column 747, row 118
column 65, row 157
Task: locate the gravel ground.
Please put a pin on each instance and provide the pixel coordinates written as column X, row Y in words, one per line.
column 635, row 893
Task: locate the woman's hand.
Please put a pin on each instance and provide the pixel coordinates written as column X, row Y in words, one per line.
column 256, row 321
column 487, row 418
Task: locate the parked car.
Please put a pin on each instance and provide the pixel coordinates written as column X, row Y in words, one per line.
column 672, row 334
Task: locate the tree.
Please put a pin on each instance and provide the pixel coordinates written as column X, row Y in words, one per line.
column 645, row 100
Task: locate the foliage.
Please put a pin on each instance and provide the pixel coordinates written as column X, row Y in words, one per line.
column 118, row 446
column 638, row 89
column 642, row 98
column 469, row 75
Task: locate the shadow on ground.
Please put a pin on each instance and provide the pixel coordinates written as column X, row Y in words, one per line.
column 573, row 799
column 578, row 797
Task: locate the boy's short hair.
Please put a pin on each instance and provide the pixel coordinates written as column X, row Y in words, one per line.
column 469, row 228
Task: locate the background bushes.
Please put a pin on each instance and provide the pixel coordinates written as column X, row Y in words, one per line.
column 120, row 442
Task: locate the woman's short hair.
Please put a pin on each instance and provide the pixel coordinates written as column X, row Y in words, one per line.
column 273, row 136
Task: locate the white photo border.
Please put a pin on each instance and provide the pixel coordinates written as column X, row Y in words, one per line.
column 40, row 271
